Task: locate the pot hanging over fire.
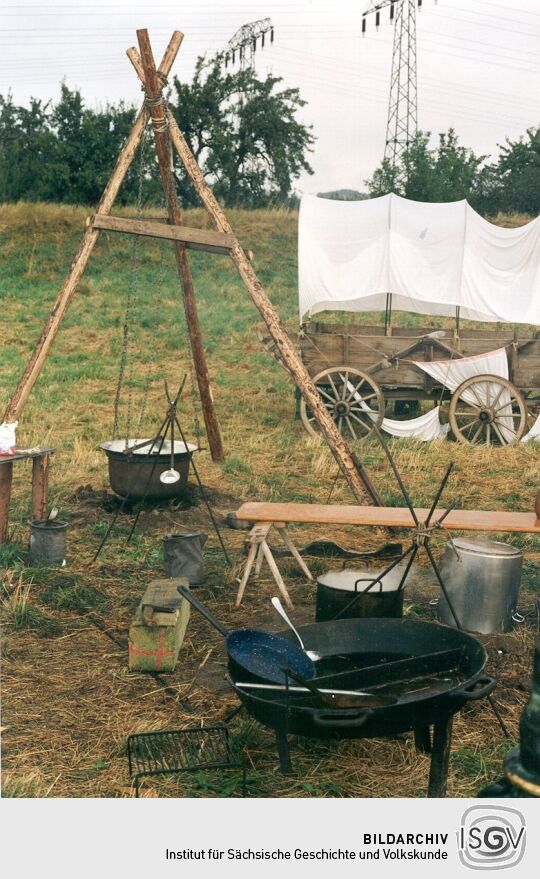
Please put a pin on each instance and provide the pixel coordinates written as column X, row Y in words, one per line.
column 136, row 465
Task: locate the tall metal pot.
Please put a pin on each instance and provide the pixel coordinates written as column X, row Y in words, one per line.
column 482, row 578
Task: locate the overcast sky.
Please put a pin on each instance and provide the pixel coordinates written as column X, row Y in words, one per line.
column 478, row 64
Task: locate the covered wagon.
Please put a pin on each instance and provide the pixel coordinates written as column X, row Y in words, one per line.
column 440, row 260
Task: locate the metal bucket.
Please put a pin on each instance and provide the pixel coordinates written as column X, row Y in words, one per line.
column 183, row 556
column 48, row 541
column 482, row 578
column 136, row 475
column 336, row 589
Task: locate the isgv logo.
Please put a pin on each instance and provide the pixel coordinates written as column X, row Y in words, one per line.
column 491, row 837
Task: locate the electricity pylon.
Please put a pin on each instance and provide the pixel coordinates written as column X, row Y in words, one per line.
column 244, row 42
column 402, row 123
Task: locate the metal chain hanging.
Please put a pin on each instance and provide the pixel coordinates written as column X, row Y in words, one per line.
column 128, row 336
column 125, row 371
column 193, row 390
column 194, row 408
column 151, row 373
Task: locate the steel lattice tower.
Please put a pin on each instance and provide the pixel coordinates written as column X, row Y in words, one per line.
column 402, row 122
column 244, row 42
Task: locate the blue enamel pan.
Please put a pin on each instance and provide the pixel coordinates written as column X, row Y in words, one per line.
column 259, row 654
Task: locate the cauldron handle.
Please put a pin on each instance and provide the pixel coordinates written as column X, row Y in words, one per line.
column 345, row 718
column 468, row 692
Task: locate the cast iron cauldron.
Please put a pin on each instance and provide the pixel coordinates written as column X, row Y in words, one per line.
column 362, row 643
column 136, row 475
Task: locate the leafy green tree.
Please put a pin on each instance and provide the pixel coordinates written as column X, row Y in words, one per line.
column 26, row 142
column 243, row 132
column 87, row 144
column 61, row 152
column 448, row 172
column 518, row 174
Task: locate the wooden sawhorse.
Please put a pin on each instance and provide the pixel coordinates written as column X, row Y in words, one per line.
column 259, row 550
column 40, row 484
column 265, row 515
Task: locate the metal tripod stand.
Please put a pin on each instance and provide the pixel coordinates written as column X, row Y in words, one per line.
column 423, row 532
column 167, row 427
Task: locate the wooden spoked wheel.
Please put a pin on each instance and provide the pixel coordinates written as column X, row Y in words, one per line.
column 488, row 409
column 353, row 400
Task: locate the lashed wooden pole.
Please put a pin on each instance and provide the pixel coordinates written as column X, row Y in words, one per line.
column 356, row 477
column 63, row 300
column 158, row 114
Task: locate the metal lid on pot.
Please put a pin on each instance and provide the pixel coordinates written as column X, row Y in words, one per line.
column 485, row 547
column 345, row 580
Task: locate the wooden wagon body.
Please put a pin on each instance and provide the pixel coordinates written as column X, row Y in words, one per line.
column 385, row 357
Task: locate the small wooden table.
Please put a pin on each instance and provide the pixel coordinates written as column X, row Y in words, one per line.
column 40, row 484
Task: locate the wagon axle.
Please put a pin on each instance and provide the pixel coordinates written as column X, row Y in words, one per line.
column 486, row 416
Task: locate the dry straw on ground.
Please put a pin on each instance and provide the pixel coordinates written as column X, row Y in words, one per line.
column 69, row 702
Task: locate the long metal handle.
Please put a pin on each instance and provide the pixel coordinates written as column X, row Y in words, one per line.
column 185, row 593
column 281, row 688
column 281, row 611
column 400, row 482
column 172, row 443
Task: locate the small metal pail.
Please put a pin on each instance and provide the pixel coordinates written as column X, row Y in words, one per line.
column 183, row 556
column 48, row 541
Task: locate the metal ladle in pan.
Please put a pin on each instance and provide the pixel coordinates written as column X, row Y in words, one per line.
column 255, row 652
column 168, row 477
column 311, row 654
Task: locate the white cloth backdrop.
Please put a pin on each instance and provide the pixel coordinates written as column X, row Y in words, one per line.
column 431, row 257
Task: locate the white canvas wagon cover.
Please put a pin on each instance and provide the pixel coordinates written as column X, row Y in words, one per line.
column 431, row 257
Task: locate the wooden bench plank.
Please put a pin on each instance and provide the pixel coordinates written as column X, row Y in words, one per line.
column 395, row 517
column 193, row 239
column 25, row 454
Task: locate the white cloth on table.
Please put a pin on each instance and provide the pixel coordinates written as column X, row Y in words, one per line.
column 432, row 258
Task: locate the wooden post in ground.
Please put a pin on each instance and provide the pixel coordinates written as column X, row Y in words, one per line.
column 361, row 488
column 40, row 487
column 6, row 477
column 359, row 483
column 39, row 355
column 158, row 114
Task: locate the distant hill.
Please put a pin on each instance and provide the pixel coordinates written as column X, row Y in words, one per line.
column 344, row 195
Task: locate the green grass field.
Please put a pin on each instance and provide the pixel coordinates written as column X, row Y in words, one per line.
column 69, row 702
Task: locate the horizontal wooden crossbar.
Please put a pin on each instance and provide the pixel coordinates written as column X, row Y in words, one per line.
column 395, row 517
column 25, row 454
column 193, row 239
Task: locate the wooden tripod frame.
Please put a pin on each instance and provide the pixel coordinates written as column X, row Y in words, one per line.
column 223, row 238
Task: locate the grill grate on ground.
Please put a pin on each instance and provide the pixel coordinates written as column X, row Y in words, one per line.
column 180, row 750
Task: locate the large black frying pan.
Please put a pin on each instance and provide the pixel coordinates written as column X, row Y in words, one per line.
column 257, row 654
column 367, row 642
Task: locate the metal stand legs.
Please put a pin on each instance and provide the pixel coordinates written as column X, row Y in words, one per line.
column 440, row 756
